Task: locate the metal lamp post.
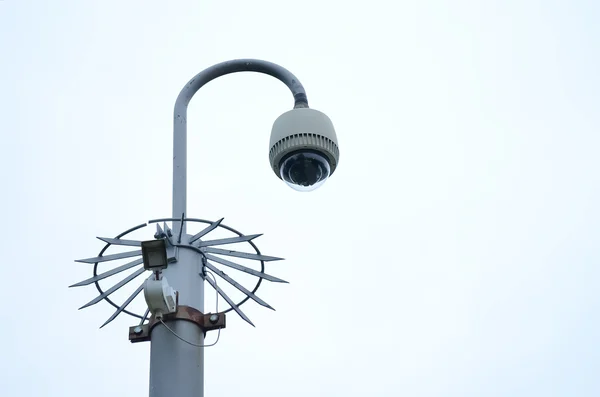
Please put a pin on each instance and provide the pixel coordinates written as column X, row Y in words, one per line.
column 303, row 152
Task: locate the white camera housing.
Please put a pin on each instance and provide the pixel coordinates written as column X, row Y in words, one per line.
column 160, row 296
column 306, row 139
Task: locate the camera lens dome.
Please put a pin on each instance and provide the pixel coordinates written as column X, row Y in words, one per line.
column 305, row 170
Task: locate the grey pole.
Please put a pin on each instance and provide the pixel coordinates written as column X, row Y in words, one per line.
column 176, row 368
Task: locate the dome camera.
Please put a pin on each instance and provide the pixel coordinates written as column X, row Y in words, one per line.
column 303, row 148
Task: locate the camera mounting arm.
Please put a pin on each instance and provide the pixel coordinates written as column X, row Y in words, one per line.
column 186, row 94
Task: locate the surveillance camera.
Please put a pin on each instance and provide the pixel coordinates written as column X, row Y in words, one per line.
column 303, row 149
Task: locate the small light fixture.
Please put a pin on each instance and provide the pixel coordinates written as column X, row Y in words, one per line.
column 154, row 253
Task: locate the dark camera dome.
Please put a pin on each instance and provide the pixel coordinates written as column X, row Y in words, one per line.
column 304, row 170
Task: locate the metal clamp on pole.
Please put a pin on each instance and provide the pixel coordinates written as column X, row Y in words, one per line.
column 206, row 322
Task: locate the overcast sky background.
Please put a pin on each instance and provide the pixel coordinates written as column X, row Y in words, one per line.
column 453, row 253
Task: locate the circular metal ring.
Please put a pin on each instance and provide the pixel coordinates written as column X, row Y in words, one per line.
column 144, row 317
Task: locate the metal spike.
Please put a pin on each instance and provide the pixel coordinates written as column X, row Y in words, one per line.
column 113, row 288
column 124, row 305
column 229, row 240
column 145, row 316
column 113, row 257
column 238, row 286
column 159, row 232
column 206, row 230
column 108, row 273
column 181, row 227
column 168, row 233
column 228, row 299
column 246, row 255
column 118, row 241
column 244, row 269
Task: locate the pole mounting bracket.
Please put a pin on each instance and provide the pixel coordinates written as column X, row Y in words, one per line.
column 206, row 322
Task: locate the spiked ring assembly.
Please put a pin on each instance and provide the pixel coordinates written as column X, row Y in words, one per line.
column 209, row 254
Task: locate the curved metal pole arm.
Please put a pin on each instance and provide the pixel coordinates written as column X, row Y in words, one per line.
column 186, row 94
column 241, row 65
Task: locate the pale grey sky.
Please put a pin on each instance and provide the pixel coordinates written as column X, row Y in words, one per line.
column 463, row 218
